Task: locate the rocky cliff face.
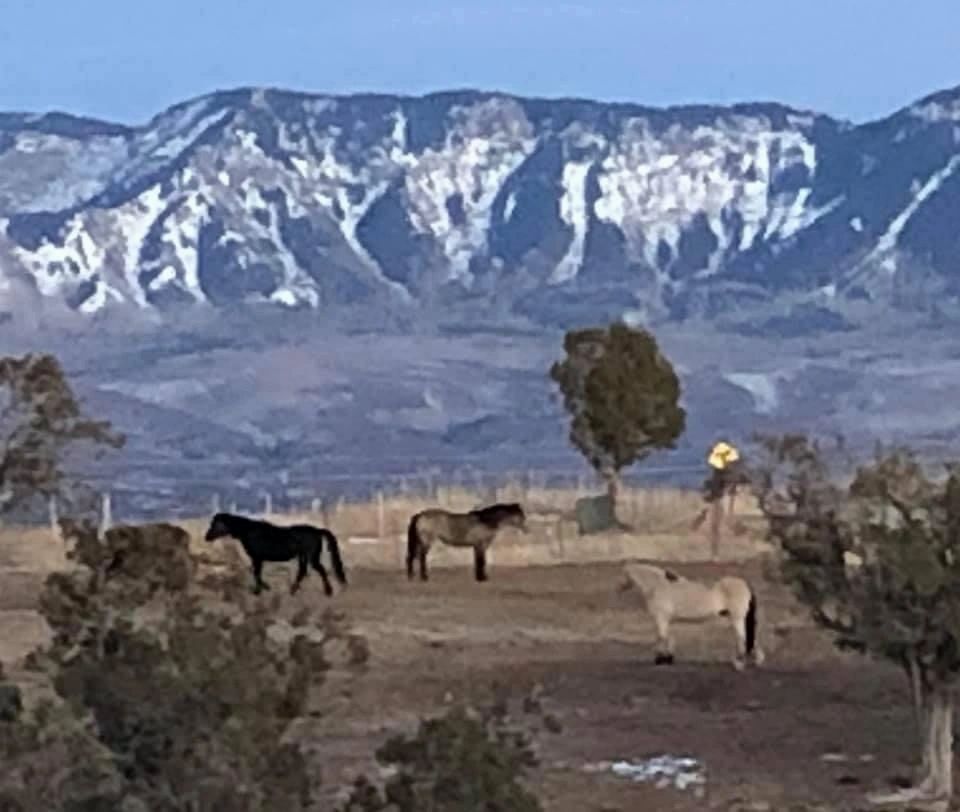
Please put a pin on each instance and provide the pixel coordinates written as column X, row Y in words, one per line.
column 557, row 210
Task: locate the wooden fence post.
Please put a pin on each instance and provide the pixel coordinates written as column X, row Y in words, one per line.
column 478, row 483
column 106, row 513
column 381, row 518
column 716, row 518
column 54, row 518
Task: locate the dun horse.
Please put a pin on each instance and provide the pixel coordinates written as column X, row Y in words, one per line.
column 263, row 541
column 475, row 529
column 670, row 597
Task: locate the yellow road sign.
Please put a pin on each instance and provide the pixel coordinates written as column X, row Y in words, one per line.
column 721, row 455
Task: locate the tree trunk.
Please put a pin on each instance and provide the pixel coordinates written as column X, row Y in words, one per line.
column 918, row 694
column 716, row 521
column 935, row 790
column 939, row 746
column 613, row 487
column 613, row 490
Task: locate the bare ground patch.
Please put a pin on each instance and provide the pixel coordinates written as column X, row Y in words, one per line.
column 761, row 734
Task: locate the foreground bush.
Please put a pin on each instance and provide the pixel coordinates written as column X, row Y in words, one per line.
column 176, row 695
column 459, row 762
column 877, row 561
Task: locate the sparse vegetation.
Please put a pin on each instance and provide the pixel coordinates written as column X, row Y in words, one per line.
column 877, row 562
column 40, row 419
column 461, row 761
column 184, row 691
column 623, row 397
column 171, row 691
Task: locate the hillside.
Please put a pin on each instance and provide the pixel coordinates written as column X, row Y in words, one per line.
column 258, row 245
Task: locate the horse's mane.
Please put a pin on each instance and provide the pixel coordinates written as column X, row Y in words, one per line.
column 234, row 520
column 492, row 515
column 649, row 574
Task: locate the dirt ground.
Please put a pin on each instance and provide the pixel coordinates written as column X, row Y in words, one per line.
column 810, row 727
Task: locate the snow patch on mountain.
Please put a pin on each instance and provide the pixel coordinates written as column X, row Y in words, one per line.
column 573, row 211
column 46, row 172
column 883, row 255
column 762, row 388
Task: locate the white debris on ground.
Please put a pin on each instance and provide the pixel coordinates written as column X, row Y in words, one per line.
column 680, row 772
column 843, row 757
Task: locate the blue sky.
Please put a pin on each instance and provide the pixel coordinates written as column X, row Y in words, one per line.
column 128, row 59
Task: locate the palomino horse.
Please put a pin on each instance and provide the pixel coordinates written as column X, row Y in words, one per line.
column 263, row 541
column 670, row 597
column 475, row 529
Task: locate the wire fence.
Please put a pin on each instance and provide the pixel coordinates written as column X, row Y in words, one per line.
column 150, row 496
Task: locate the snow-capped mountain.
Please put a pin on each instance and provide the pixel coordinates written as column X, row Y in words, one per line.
column 544, row 207
column 275, row 247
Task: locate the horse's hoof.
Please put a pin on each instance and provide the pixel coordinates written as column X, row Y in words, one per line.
column 759, row 657
column 663, row 659
column 739, row 665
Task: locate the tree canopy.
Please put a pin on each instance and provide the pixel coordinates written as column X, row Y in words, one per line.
column 877, row 561
column 40, row 419
column 622, row 394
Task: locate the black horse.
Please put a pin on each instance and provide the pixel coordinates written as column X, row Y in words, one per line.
column 263, row 541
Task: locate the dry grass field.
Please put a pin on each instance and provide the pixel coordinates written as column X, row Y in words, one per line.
column 812, row 729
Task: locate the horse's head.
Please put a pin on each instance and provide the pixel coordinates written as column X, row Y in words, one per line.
column 645, row 578
column 516, row 517
column 219, row 527
column 513, row 516
column 502, row 514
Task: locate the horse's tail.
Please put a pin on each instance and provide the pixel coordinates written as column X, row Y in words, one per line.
column 413, row 544
column 335, row 558
column 750, row 623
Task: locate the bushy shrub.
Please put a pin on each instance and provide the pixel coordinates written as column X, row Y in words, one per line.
column 184, row 691
column 462, row 761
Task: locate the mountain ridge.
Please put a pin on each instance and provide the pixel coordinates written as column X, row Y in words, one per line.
column 316, row 200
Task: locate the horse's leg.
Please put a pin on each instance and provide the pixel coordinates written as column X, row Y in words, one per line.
column 258, row 583
column 664, row 648
column 740, row 658
column 301, row 573
column 480, row 562
column 422, row 549
column 321, row 570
